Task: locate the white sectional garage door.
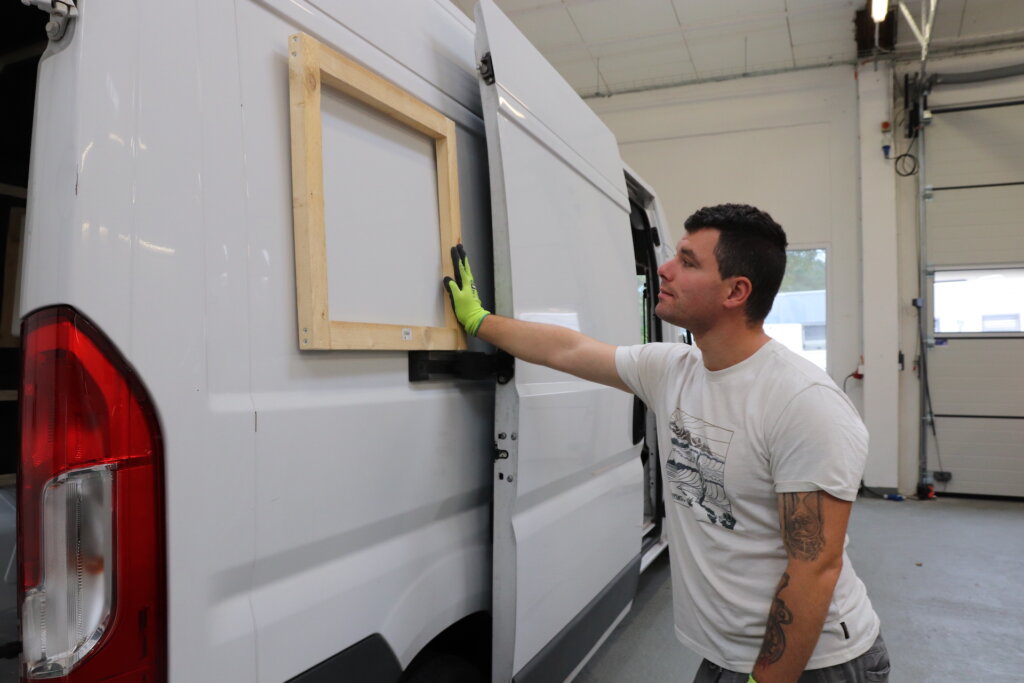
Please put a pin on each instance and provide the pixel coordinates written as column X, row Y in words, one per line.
column 975, row 245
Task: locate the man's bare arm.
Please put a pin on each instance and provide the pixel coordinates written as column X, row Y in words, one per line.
column 814, row 530
column 556, row 347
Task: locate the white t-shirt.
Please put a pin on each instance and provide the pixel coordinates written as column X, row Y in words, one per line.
column 730, row 442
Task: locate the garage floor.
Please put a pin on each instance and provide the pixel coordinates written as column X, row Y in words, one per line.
column 945, row 576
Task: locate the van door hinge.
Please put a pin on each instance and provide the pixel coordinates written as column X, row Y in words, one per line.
column 60, row 12
column 486, row 69
column 428, row 365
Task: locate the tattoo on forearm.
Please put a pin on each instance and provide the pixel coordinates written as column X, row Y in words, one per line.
column 802, row 529
column 774, row 637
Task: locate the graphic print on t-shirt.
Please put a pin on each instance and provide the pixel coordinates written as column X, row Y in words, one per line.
column 695, row 468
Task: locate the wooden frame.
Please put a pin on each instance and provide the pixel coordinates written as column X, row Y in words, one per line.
column 311, row 65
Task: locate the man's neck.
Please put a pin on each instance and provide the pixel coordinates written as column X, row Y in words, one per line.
column 727, row 345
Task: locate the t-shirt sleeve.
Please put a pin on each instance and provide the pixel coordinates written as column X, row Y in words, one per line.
column 818, row 442
column 642, row 368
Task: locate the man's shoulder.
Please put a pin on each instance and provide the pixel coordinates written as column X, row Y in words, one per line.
column 798, row 384
column 662, row 350
column 656, row 357
column 790, row 367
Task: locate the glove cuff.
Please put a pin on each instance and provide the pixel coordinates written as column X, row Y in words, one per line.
column 473, row 323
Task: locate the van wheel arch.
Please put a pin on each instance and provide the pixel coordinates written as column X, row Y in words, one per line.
column 459, row 654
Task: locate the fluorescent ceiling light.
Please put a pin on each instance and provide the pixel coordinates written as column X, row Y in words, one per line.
column 879, row 8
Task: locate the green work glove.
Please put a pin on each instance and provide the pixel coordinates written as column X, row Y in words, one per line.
column 465, row 299
column 751, row 679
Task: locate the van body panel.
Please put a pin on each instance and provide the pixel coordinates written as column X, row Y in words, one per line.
column 315, row 499
column 117, row 230
column 568, row 498
column 372, row 494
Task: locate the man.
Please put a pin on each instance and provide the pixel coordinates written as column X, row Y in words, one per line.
column 763, row 456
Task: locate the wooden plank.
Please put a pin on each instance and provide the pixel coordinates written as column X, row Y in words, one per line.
column 343, row 74
column 308, row 193
column 372, row 336
column 449, row 216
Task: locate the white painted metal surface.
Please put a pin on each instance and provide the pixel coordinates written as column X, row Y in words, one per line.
column 301, row 489
column 372, row 495
column 380, row 181
column 568, row 497
column 134, row 175
column 314, row 499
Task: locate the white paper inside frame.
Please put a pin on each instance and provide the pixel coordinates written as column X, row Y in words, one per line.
column 380, row 217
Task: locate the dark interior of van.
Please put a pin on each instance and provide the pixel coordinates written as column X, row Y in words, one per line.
column 22, row 41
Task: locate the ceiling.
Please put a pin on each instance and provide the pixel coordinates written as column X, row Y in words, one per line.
column 604, row 47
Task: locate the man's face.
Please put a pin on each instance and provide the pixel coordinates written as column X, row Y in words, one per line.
column 692, row 290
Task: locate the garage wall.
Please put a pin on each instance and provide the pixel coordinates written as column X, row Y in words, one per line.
column 787, row 143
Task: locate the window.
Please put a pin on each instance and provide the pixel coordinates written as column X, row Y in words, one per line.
column 976, row 301
column 798, row 317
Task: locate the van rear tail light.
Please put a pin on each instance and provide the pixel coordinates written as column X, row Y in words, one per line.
column 66, row 614
column 90, row 509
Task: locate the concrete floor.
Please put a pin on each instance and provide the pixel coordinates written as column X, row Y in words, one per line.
column 945, row 576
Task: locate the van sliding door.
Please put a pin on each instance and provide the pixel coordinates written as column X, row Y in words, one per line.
column 568, row 501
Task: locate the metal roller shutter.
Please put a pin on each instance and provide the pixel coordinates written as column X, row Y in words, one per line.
column 975, row 226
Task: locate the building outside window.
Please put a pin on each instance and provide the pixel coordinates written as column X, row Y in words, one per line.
column 798, row 318
column 976, row 301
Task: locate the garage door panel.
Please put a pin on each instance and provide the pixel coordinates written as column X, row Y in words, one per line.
column 977, row 377
column 976, row 147
column 976, row 226
column 976, row 384
column 984, row 456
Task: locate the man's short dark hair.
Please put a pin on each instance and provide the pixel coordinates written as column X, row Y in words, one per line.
column 750, row 244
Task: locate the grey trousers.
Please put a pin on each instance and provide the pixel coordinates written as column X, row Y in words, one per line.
column 870, row 667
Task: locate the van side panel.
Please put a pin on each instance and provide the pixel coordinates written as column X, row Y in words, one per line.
column 136, row 198
column 372, row 494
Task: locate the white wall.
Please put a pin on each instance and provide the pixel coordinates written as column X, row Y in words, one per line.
column 786, row 143
column 880, row 277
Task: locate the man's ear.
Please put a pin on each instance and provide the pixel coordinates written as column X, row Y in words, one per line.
column 739, row 292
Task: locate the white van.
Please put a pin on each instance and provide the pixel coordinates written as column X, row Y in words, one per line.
column 200, row 499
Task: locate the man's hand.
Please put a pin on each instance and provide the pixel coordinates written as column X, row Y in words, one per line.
column 465, row 299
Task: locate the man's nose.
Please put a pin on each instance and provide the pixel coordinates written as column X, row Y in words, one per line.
column 662, row 269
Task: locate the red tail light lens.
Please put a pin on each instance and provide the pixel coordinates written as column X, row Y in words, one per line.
column 90, row 509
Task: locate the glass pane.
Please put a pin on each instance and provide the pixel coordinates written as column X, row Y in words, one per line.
column 641, row 289
column 971, row 301
column 798, row 317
